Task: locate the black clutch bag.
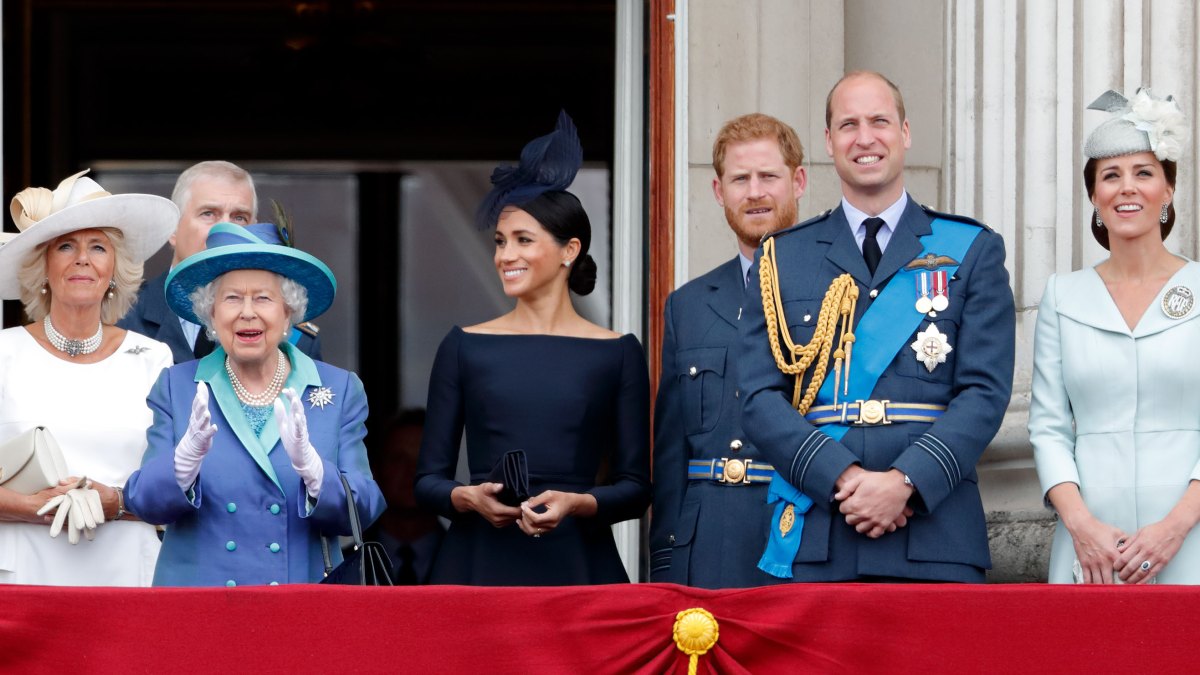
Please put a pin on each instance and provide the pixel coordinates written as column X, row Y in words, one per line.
column 512, row 471
column 367, row 564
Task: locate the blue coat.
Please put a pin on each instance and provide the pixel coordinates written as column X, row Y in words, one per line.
column 152, row 317
column 704, row 533
column 947, row 537
column 247, row 520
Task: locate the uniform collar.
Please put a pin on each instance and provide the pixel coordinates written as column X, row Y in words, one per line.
column 890, row 215
column 746, row 263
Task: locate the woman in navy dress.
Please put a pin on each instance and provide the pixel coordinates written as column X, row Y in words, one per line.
column 572, row 395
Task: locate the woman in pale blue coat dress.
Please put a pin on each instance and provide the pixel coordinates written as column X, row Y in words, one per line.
column 1115, row 418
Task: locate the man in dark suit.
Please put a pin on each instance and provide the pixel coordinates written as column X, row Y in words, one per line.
column 876, row 461
column 710, row 515
column 206, row 193
column 410, row 535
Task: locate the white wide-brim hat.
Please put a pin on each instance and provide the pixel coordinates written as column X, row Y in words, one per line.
column 79, row 203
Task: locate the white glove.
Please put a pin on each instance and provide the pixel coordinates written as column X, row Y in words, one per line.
column 195, row 442
column 79, row 509
column 293, row 433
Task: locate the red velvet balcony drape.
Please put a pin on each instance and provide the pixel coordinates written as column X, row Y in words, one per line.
column 815, row 628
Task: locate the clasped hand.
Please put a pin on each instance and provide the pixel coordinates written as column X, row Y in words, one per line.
column 874, row 502
column 482, row 500
column 535, row 517
column 79, row 509
column 546, row 511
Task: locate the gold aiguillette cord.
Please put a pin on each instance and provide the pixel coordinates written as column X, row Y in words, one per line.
column 835, row 320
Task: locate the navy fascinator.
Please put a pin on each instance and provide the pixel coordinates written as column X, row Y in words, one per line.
column 548, row 164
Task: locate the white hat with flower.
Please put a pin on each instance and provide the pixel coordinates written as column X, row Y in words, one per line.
column 79, row 203
column 1144, row 123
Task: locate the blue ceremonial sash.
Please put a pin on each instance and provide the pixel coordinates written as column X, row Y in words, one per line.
column 775, row 560
column 881, row 333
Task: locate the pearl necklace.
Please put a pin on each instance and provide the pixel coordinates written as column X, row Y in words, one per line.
column 73, row 348
column 272, row 390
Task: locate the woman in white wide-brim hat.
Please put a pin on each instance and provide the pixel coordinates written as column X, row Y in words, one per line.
column 1115, row 416
column 76, row 265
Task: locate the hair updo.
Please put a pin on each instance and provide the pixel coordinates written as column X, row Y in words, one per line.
column 561, row 214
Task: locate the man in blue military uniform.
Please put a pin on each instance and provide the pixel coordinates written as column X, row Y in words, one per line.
column 206, row 193
column 709, row 522
column 876, row 366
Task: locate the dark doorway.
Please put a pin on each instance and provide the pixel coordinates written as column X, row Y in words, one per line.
column 274, row 81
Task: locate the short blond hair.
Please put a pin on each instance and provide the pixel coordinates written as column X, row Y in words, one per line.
column 127, row 277
column 753, row 127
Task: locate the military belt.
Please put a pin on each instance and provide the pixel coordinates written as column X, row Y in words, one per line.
column 874, row 413
column 730, row 471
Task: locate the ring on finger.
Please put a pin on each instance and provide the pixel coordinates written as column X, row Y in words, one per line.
column 1146, row 565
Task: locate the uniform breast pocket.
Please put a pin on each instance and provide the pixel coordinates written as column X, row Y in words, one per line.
column 702, row 379
column 800, row 317
column 935, row 352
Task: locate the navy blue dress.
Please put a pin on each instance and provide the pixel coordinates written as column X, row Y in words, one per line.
column 579, row 408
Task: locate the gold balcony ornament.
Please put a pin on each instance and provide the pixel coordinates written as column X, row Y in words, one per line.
column 696, row 632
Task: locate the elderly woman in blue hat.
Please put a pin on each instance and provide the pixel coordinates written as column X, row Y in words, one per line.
column 248, row 443
column 1115, row 416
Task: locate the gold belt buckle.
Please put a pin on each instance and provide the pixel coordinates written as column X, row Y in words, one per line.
column 735, row 471
column 872, row 412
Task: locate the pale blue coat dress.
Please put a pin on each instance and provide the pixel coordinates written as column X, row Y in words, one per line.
column 1117, row 411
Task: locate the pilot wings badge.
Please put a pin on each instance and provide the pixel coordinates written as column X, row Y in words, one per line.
column 931, row 347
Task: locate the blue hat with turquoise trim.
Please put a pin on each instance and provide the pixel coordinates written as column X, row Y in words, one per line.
column 253, row 247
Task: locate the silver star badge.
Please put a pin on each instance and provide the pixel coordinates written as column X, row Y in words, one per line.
column 320, row 397
column 931, row 347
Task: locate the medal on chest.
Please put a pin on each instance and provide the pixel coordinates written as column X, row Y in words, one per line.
column 933, row 291
column 924, row 302
column 931, row 347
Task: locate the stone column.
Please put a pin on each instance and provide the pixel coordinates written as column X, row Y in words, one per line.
column 773, row 56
